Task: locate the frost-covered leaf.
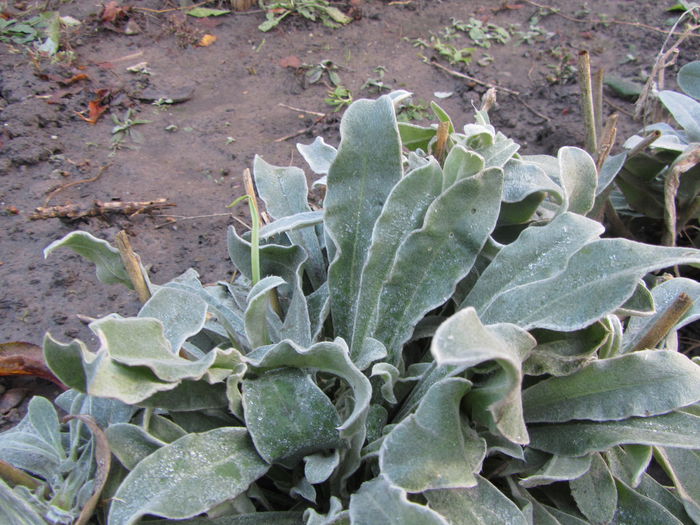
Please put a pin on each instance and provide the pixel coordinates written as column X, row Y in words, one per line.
column 640, row 303
column 318, row 467
column 378, row 501
column 595, row 492
column 318, row 155
column 483, row 504
column 291, row 223
column 629, row 462
column 645, row 383
column 288, row 416
column 463, row 341
column 664, row 294
column 577, row 438
column 223, row 460
column 108, row 262
column 685, row 110
column 599, row 278
column 432, row 260
column 181, row 313
column 402, row 213
column 366, row 168
column 521, row 179
column 131, row 443
column 430, row 449
column 537, row 254
column 460, row 164
column 579, row 177
column 15, row 510
column 683, row 467
column 258, row 311
column 689, row 79
column 558, row 468
column 258, row 518
column 636, row 509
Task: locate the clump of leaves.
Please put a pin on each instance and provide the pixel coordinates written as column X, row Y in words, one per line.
column 315, row 73
column 660, row 178
column 444, row 342
column 376, row 84
column 44, row 30
column 483, row 34
column 563, row 70
column 454, row 55
column 125, row 128
column 339, row 97
column 314, row 10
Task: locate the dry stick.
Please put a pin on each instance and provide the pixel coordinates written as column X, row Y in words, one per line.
column 598, row 100
column 302, row 110
column 132, row 264
column 557, row 12
column 531, row 109
column 665, row 323
column 75, row 183
column 618, row 108
column 443, row 133
column 644, row 143
column 75, row 211
column 607, row 140
column 472, row 79
column 584, row 81
column 301, row 131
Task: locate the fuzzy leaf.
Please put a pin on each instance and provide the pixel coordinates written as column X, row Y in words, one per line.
column 318, row 155
column 131, row 443
column 522, row 179
column 288, row 416
column 461, row 164
column 577, row 438
column 463, row 341
column 16, row 511
column 432, row 260
column 579, row 177
column 645, row 383
column 402, row 213
column 537, row 254
column 483, row 504
column 256, row 315
column 225, row 463
column 635, row 509
column 181, row 313
column 430, row 449
column 685, row 110
column 378, row 501
column 108, row 262
column 319, row 467
column 599, row 278
column 683, row 467
column 366, row 168
column 558, row 468
column 595, row 493
column 689, row 79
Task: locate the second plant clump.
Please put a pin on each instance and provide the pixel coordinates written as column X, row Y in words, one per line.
column 449, row 340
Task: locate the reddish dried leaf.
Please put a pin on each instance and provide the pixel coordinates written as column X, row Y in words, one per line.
column 95, row 107
column 73, row 79
column 18, row 358
column 113, row 12
column 292, row 61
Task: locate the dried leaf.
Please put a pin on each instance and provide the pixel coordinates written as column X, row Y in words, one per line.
column 113, row 12
column 292, row 61
column 17, row 358
column 207, row 40
column 95, row 107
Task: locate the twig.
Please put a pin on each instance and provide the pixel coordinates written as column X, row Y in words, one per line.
column 443, row 133
column 75, row 211
column 472, row 79
column 584, row 81
column 558, row 12
column 607, row 140
column 75, row 183
column 665, row 323
column 618, row 108
column 531, row 109
column 302, row 110
column 132, row 264
column 644, row 143
column 301, row 131
column 598, row 100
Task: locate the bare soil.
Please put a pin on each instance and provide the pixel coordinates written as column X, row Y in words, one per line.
column 234, row 99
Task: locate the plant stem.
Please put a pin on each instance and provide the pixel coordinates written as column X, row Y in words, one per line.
column 132, row 263
column 665, row 323
column 584, row 81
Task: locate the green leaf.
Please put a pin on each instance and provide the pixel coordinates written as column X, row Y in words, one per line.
column 683, row 467
column 595, row 493
column 378, row 501
column 402, row 213
column 288, row 416
column 318, row 155
column 522, row 179
column 318, row 467
column 483, row 504
column 577, row 438
column 131, row 443
column 181, row 313
column 204, row 12
column 645, row 383
column 599, row 278
column 537, row 254
column 685, row 110
column 223, row 460
column 635, row 509
column 689, row 79
column 259, row 309
column 15, row 510
column 460, row 164
column 415, row 137
column 579, row 176
column 367, row 166
column 629, row 463
column 463, row 341
column 558, row 468
column 431, row 449
column 108, row 262
column 432, row 260
column 258, row 518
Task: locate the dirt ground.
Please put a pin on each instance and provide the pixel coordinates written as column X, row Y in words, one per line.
column 238, row 98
